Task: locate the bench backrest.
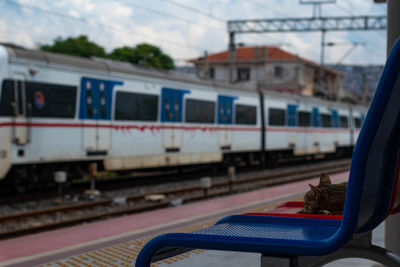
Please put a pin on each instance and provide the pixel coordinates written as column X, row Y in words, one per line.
column 373, row 176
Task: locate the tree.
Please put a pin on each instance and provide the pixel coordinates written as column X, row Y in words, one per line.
column 79, row 46
column 123, row 54
column 144, row 54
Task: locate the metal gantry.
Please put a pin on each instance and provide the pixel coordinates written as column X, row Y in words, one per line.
column 345, row 23
column 313, row 24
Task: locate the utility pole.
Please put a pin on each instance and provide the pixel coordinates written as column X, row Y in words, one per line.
column 392, row 229
column 317, row 5
column 317, row 13
column 321, row 65
column 231, row 55
column 206, row 74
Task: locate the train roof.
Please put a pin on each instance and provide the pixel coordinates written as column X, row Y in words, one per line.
column 107, row 65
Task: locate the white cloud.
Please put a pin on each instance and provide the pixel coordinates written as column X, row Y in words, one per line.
column 179, row 31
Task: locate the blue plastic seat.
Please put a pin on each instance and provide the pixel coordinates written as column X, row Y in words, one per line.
column 368, row 198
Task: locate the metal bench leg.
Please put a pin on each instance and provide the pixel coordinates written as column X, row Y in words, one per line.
column 373, row 253
column 360, row 247
column 268, row 261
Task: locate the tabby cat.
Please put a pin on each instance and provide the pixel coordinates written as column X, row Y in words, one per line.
column 325, row 198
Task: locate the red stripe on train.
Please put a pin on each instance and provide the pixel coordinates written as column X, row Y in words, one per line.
column 172, row 127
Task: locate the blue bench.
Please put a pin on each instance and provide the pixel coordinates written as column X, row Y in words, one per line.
column 372, row 195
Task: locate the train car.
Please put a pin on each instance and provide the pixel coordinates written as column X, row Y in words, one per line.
column 301, row 126
column 63, row 112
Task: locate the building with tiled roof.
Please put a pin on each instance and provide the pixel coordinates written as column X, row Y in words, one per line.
column 271, row 68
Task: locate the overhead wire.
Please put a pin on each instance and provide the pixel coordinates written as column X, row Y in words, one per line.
column 106, row 26
column 195, row 10
column 169, row 15
column 118, row 28
column 262, row 5
column 269, row 7
column 349, row 10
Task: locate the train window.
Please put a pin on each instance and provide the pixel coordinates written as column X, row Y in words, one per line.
column 245, row 114
column 304, row 118
column 176, row 110
column 344, row 121
column 362, row 118
column 200, row 111
column 168, row 113
column 136, row 107
column 326, row 120
column 6, row 99
column 276, row 117
column 50, row 100
column 357, row 122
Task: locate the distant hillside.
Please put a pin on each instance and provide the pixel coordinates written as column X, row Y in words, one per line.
column 358, row 76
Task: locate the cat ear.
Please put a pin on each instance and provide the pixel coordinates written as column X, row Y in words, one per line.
column 312, row 187
column 324, row 179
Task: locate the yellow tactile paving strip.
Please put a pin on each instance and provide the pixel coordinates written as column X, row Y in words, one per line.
column 124, row 254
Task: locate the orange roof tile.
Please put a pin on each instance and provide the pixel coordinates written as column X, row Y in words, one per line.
column 256, row 52
column 249, row 53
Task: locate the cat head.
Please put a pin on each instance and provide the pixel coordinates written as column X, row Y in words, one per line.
column 316, row 196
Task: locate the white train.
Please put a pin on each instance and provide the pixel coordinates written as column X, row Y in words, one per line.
column 63, row 112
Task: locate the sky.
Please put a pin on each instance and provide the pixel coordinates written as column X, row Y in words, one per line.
column 185, row 29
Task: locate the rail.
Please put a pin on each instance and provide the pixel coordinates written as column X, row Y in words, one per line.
column 23, row 223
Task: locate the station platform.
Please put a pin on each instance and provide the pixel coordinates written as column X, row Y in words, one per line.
column 116, row 242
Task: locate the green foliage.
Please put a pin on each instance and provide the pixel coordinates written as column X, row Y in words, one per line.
column 79, row 46
column 143, row 54
column 123, row 54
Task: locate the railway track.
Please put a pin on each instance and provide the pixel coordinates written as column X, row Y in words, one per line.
column 22, row 223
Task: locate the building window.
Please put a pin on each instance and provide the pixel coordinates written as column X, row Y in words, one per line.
column 278, row 72
column 245, row 114
column 243, row 74
column 211, row 73
column 136, row 107
column 200, row 111
column 276, row 117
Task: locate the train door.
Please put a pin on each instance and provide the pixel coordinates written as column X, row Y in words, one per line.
column 304, row 122
column 335, row 124
column 21, row 129
column 315, row 136
column 171, row 113
column 225, row 118
column 95, row 111
column 295, row 138
column 351, row 126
